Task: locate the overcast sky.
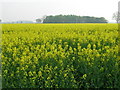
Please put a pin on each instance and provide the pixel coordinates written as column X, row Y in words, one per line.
column 12, row 10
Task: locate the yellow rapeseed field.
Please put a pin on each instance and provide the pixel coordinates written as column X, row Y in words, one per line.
column 60, row 56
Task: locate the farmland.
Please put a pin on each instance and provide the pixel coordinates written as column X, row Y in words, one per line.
column 60, row 56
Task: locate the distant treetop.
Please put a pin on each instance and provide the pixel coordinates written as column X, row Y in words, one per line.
column 73, row 19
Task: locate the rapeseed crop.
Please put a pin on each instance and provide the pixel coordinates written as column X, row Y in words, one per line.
column 60, row 56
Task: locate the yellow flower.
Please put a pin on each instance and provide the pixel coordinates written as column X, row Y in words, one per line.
column 39, row 73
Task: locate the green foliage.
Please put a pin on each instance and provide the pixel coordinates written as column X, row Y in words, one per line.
column 73, row 19
column 60, row 56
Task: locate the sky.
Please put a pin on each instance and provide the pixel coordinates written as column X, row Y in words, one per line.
column 15, row 10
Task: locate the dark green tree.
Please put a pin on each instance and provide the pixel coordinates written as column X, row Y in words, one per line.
column 73, row 19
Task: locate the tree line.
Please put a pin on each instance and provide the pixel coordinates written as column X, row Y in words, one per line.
column 73, row 19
